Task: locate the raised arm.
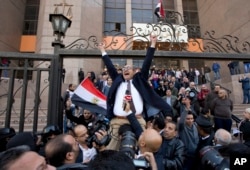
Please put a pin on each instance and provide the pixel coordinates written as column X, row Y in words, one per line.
column 149, row 57
column 111, row 68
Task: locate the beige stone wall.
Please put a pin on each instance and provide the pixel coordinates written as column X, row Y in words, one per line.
column 11, row 27
column 87, row 20
column 225, row 17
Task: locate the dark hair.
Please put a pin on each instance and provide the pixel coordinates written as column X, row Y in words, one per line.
column 204, row 111
column 24, row 138
column 159, row 120
column 110, row 160
column 173, row 122
column 56, row 150
column 70, row 85
column 11, row 155
column 191, row 113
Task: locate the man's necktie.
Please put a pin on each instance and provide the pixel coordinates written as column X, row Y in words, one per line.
column 132, row 106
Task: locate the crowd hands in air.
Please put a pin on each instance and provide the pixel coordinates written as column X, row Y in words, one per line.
column 164, row 122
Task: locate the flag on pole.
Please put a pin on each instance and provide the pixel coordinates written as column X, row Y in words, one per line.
column 87, row 96
column 159, row 10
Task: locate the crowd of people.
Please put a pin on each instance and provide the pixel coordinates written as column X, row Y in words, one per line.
column 155, row 120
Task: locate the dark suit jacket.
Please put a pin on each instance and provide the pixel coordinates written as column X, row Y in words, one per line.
column 140, row 80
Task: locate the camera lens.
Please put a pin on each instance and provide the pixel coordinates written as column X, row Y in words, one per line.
column 128, row 143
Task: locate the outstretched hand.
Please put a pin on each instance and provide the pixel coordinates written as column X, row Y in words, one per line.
column 101, row 47
column 153, row 39
column 151, row 159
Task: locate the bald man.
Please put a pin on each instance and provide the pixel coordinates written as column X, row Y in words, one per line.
column 150, row 141
column 222, row 137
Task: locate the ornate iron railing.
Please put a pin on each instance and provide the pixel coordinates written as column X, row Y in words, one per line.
column 138, row 38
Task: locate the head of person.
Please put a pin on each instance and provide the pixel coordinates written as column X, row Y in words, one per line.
column 89, row 74
column 71, row 87
column 222, row 94
column 168, row 92
column 111, row 159
column 171, row 85
column 204, row 126
column 170, row 130
column 168, row 118
column 119, row 70
column 186, row 100
column 104, row 75
column 158, row 122
column 247, row 114
column 22, row 158
column 128, row 72
column 81, row 134
column 217, row 88
column 149, row 141
column 88, row 115
column 109, row 81
column 49, row 132
column 222, row 137
column 5, row 135
column 182, row 90
column 63, row 149
column 173, row 79
column 205, row 112
column 24, row 138
column 204, row 88
column 189, row 120
column 192, row 85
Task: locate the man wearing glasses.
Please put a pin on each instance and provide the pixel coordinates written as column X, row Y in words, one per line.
column 131, row 85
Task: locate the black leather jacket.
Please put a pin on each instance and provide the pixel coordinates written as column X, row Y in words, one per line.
column 171, row 155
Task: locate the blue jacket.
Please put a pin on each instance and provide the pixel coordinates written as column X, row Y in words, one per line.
column 216, row 67
column 245, row 83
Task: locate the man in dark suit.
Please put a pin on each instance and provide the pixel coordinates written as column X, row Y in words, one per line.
column 146, row 101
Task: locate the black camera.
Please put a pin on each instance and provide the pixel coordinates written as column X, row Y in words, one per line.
column 48, row 131
column 128, row 146
column 141, row 163
column 100, row 123
column 212, row 160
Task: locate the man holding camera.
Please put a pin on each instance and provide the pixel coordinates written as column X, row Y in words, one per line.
column 141, row 94
column 63, row 150
column 81, row 136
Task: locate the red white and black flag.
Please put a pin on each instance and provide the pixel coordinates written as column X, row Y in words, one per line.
column 159, row 10
column 87, row 96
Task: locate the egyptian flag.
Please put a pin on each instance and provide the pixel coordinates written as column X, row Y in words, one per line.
column 87, row 96
column 159, row 10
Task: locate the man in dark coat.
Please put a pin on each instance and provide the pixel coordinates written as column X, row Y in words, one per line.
column 80, row 75
column 146, row 101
